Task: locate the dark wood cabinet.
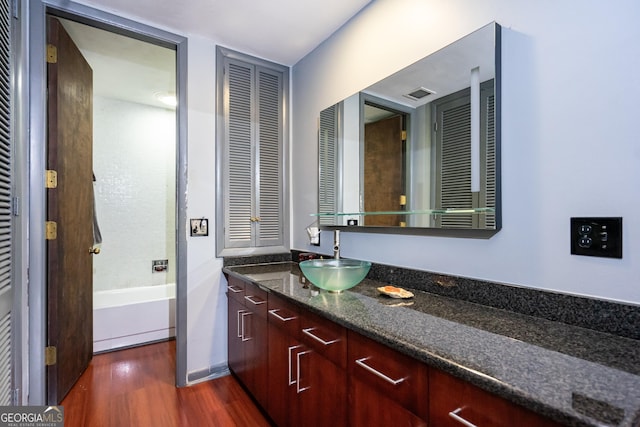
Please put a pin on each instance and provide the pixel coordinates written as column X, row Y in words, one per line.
column 306, row 357
column 247, row 336
column 305, row 370
column 235, row 312
column 321, row 375
column 385, row 387
column 283, row 344
column 454, row 403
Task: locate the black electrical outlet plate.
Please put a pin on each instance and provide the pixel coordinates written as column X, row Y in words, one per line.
column 601, row 237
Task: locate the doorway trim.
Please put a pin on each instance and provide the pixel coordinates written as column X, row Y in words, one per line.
column 36, row 127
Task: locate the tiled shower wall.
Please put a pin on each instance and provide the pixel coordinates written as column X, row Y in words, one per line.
column 134, row 165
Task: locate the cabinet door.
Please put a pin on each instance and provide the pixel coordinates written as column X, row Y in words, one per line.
column 321, row 379
column 453, row 403
column 386, row 387
column 255, row 341
column 236, row 321
column 282, row 399
column 369, row 407
column 321, row 388
column 283, row 319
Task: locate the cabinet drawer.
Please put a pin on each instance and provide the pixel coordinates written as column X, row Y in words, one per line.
column 255, row 299
column 325, row 337
column 394, row 375
column 452, row 402
column 235, row 288
column 284, row 315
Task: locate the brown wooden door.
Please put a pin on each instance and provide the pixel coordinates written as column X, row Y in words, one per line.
column 70, row 205
column 383, row 170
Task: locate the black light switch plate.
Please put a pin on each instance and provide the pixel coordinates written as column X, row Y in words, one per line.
column 600, row 237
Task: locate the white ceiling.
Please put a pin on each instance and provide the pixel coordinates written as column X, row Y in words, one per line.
column 124, row 68
column 282, row 31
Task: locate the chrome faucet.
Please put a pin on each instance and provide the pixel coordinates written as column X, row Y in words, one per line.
column 336, row 244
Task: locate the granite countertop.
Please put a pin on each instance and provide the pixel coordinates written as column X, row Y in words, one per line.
column 577, row 376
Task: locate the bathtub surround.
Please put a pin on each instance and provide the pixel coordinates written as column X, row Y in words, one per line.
column 134, row 163
column 134, row 275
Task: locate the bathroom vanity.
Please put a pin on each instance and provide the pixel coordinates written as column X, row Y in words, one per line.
column 362, row 359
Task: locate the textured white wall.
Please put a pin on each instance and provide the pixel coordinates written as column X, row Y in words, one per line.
column 569, row 135
column 206, row 300
column 134, row 164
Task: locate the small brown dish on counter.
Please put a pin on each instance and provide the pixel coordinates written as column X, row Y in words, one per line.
column 394, row 292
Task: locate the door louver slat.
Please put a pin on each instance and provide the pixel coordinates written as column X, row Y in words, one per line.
column 328, row 160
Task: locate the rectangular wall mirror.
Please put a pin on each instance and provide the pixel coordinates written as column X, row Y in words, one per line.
column 419, row 151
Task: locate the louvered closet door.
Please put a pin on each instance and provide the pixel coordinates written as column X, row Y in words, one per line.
column 239, row 133
column 454, row 157
column 269, row 226
column 328, row 160
column 454, row 142
column 6, row 299
column 253, row 146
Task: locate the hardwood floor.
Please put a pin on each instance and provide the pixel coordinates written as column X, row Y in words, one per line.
column 136, row 387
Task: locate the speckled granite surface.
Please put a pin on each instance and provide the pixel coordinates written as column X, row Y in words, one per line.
column 577, row 376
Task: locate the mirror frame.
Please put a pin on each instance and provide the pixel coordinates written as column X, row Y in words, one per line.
column 452, row 232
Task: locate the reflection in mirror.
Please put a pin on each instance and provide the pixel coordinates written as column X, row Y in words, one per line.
column 419, row 149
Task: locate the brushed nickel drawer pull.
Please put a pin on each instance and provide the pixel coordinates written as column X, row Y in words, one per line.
column 317, row 338
column 291, row 380
column 378, row 373
column 275, row 314
column 458, row 418
column 240, row 334
column 298, row 388
column 250, row 299
column 246, row 313
column 234, row 289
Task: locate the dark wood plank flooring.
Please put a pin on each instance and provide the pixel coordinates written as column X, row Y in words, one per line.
column 136, row 387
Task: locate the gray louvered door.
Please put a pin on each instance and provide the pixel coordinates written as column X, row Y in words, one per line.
column 6, row 295
column 454, row 125
column 253, row 149
column 328, row 161
column 268, row 186
column 239, row 153
column 453, row 177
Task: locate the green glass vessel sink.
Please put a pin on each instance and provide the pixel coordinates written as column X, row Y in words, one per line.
column 335, row 275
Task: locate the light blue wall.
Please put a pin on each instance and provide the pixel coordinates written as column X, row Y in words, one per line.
column 570, row 134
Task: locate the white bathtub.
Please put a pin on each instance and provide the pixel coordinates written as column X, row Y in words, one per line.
column 133, row 316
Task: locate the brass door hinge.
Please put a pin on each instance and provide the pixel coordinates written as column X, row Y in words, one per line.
column 50, row 355
column 51, row 179
column 52, row 54
column 403, row 135
column 50, row 230
column 403, row 200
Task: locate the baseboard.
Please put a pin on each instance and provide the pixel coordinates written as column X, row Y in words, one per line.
column 210, row 373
